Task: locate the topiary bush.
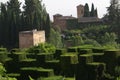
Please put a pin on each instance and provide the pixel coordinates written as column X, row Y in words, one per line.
column 35, row 72
column 68, row 63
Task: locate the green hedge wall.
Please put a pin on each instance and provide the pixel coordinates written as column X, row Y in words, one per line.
column 35, row 72
column 43, row 57
column 68, row 64
column 59, row 52
column 110, row 58
column 98, row 57
column 85, row 58
column 54, row 64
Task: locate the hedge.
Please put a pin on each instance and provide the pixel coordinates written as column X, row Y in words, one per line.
column 35, row 72
column 68, row 63
column 110, row 58
column 85, row 58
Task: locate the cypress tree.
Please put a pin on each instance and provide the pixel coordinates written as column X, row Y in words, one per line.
column 34, row 14
column 92, row 13
column 86, row 10
column 47, row 27
column 3, row 25
column 96, row 13
column 13, row 10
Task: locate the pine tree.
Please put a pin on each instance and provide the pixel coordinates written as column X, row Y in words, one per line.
column 86, row 10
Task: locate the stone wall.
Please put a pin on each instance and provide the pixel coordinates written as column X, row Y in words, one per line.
column 31, row 38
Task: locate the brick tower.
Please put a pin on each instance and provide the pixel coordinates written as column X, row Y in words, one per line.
column 80, row 11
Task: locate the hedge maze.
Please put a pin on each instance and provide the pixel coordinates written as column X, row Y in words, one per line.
column 74, row 63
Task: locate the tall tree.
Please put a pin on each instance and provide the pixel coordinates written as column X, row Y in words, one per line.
column 13, row 10
column 92, row 13
column 3, row 25
column 47, row 27
column 114, row 17
column 96, row 13
column 34, row 13
column 86, row 10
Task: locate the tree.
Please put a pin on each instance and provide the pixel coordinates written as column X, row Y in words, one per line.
column 13, row 12
column 3, row 25
column 114, row 17
column 109, row 39
column 55, row 38
column 35, row 14
column 86, row 10
column 92, row 13
column 96, row 13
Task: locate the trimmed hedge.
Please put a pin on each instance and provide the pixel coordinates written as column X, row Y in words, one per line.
column 52, row 78
column 110, row 58
column 69, row 78
column 3, row 56
column 3, row 50
column 70, row 58
column 35, row 72
column 43, row 57
column 14, row 75
column 54, row 64
column 12, row 66
column 95, row 70
column 84, row 51
column 85, row 58
column 72, row 49
column 59, row 52
column 98, row 57
column 28, row 63
column 31, row 55
column 18, row 56
column 98, row 50
column 68, row 64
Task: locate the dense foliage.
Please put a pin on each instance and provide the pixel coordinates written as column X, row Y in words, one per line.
column 13, row 20
column 113, row 17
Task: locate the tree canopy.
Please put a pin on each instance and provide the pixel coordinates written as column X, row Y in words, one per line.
column 13, row 20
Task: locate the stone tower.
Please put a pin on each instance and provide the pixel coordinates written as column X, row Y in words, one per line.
column 80, row 11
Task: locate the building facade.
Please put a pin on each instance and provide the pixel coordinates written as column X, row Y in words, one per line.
column 31, row 38
column 61, row 21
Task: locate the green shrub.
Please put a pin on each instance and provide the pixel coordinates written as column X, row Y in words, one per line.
column 110, row 58
column 68, row 63
column 54, row 64
column 35, row 72
column 84, row 51
column 3, row 56
column 98, row 50
column 59, row 52
column 98, row 57
column 42, row 48
column 72, row 49
column 43, row 57
column 85, row 58
column 95, row 70
column 28, row 63
column 18, row 56
column 51, row 78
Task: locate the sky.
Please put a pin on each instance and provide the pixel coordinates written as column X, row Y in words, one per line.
column 68, row 7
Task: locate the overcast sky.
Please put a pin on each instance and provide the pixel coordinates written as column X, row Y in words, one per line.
column 68, row 7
